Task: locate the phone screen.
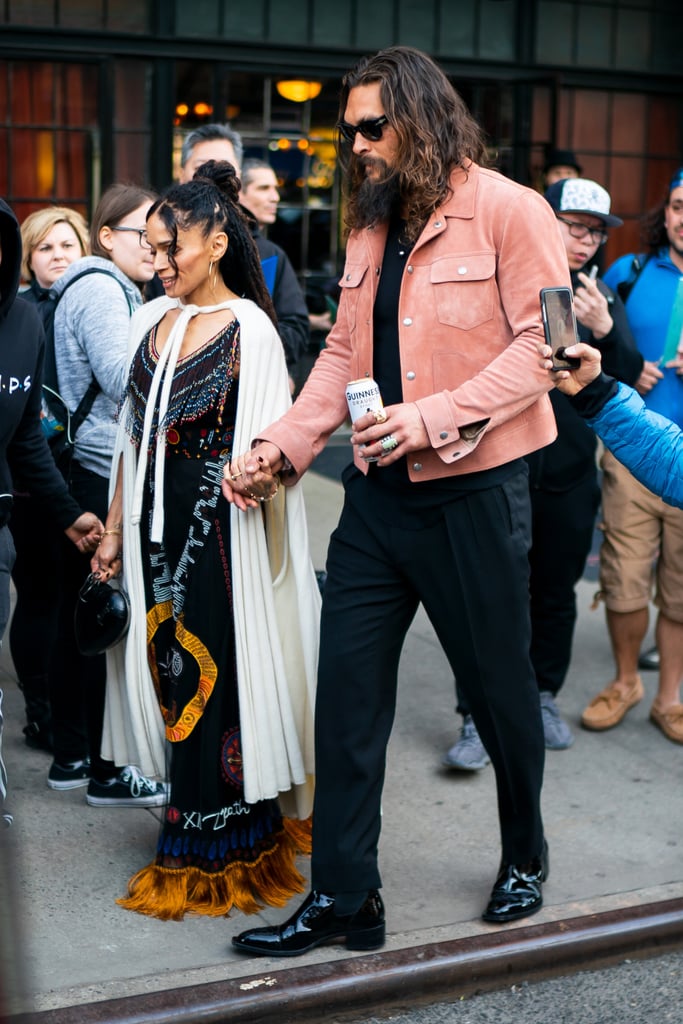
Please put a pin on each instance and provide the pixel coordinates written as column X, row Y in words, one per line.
column 559, row 324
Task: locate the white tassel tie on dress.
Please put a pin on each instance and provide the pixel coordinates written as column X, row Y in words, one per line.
column 162, row 381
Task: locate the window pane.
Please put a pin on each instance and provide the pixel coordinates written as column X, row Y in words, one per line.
column 73, row 173
column 374, row 25
column 86, row 14
column 197, row 18
column 32, row 93
column 594, row 42
column 4, row 163
column 123, row 16
column 36, row 13
column 131, row 106
column 456, row 35
column 634, row 41
column 288, row 23
column 554, row 33
column 629, row 120
column 76, row 95
column 416, row 24
column 131, row 157
column 245, row 21
column 497, row 30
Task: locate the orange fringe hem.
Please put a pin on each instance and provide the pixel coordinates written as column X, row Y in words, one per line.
column 170, row 893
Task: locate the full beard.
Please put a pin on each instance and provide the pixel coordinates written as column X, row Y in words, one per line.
column 377, row 201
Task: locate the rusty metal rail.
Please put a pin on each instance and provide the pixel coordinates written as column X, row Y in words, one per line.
column 395, row 980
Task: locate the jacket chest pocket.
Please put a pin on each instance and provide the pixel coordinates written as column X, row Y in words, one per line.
column 351, row 290
column 464, row 289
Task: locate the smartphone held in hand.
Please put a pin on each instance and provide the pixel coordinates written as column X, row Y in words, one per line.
column 559, row 324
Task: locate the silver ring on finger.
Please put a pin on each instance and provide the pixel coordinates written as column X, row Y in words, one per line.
column 388, row 443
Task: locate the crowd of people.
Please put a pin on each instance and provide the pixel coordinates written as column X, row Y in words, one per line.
column 255, row 715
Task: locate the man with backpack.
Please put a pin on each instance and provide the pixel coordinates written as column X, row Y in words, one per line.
column 638, row 527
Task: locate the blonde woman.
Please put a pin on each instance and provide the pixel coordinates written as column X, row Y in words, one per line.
column 51, row 240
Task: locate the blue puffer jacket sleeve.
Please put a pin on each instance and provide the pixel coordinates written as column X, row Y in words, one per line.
column 649, row 445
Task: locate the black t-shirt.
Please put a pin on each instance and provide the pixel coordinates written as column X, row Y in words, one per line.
column 415, row 499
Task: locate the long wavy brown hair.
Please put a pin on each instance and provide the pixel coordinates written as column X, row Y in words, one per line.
column 435, row 131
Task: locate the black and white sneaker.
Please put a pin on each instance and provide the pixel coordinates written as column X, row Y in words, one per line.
column 130, row 788
column 72, row 775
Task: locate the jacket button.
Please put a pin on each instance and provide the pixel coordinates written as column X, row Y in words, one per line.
column 417, row 466
column 443, row 435
column 348, row 277
column 410, row 269
column 407, row 321
column 410, row 375
column 437, row 223
column 377, row 271
column 462, row 270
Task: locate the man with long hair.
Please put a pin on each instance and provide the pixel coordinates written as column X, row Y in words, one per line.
column 440, row 305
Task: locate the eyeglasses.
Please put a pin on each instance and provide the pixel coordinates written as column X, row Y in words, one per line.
column 371, row 129
column 141, row 233
column 579, row 230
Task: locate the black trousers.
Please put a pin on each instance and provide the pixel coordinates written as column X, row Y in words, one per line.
column 469, row 568
column 77, row 683
column 561, row 536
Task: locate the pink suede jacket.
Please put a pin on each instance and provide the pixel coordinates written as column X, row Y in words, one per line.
column 469, row 326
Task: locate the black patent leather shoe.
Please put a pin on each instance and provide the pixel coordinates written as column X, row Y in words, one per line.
column 517, row 891
column 314, row 924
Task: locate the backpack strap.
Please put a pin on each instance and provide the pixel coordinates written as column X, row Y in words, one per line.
column 625, row 287
column 75, row 419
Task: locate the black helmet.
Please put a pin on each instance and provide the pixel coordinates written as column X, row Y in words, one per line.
column 101, row 616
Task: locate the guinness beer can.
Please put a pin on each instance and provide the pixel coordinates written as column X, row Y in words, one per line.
column 363, row 396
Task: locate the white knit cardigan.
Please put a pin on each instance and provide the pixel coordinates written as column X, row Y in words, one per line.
column 276, row 602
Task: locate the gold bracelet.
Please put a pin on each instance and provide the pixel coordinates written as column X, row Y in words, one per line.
column 255, row 497
column 108, row 533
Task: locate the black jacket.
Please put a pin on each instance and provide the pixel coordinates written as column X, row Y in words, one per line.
column 571, row 458
column 288, row 298
column 24, row 452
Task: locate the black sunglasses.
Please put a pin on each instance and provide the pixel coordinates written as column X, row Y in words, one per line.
column 371, row 129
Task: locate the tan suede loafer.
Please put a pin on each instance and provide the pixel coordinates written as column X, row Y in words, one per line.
column 611, row 704
column 669, row 721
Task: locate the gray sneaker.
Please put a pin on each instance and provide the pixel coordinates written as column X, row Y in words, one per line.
column 558, row 735
column 468, row 754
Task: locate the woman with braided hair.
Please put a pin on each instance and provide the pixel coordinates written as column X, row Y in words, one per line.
column 217, row 674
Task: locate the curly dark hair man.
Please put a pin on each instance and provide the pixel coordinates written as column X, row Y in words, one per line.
column 439, row 307
column 435, row 132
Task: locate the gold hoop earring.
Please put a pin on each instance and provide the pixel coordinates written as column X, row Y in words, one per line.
column 213, row 268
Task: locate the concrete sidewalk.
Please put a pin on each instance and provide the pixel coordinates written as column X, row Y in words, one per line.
column 613, row 807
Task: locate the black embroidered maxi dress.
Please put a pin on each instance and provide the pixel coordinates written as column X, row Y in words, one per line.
column 215, row 851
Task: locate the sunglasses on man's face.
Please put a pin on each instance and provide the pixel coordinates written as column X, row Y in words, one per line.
column 371, row 129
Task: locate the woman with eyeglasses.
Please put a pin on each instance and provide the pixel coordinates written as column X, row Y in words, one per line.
column 91, row 325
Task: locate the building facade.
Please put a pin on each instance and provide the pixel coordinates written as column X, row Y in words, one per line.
column 95, row 91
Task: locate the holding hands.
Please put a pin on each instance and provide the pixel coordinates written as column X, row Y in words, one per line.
column 251, row 479
column 85, row 532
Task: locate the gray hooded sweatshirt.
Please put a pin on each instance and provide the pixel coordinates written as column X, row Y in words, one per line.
column 91, row 337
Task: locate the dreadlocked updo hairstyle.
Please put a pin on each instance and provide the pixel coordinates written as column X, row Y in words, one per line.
column 210, row 201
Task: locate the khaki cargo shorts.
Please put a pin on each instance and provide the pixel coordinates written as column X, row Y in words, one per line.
column 641, row 557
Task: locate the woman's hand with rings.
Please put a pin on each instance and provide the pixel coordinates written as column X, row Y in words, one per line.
column 400, row 431
column 106, row 562
column 249, row 480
